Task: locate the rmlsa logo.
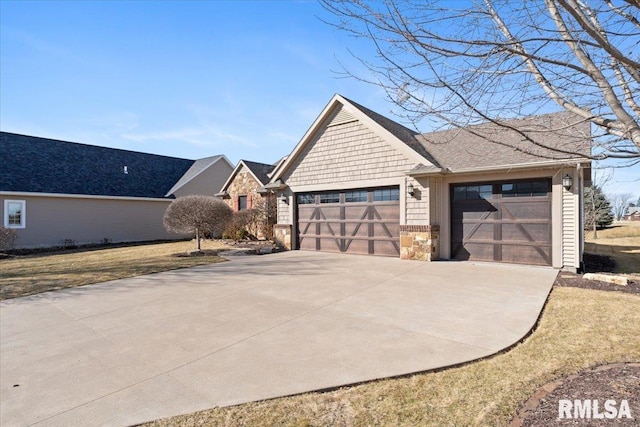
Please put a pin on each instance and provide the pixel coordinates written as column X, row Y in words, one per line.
column 591, row 409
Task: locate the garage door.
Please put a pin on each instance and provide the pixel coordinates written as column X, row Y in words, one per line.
column 502, row 221
column 355, row 221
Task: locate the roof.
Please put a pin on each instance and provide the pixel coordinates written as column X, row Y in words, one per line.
column 42, row 165
column 196, row 169
column 260, row 172
column 632, row 210
column 532, row 139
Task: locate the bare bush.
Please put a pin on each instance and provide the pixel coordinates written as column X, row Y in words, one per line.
column 197, row 215
column 264, row 216
column 238, row 227
column 8, row 237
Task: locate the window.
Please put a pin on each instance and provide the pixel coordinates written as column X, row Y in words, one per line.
column 526, row 189
column 242, row 203
column 355, row 196
column 330, row 198
column 15, row 214
column 306, row 199
column 472, row 192
column 386, row 195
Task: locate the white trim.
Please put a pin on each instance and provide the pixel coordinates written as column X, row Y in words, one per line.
column 219, row 157
column 81, row 196
column 549, row 164
column 369, row 183
column 23, row 214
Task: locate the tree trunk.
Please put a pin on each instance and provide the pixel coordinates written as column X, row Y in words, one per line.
column 198, row 238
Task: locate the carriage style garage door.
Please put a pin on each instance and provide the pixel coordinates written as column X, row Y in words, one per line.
column 502, row 221
column 354, row 221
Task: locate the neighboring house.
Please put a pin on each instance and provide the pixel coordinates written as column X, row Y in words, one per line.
column 358, row 182
column 632, row 214
column 58, row 193
column 243, row 191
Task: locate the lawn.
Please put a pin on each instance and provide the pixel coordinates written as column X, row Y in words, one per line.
column 579, row 328
column 620, row 242
column 32, row 274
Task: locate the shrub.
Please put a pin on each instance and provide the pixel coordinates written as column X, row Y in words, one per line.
column 237, row 229
column 8, row 237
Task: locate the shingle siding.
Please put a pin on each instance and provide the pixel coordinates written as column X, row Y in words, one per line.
column 344, row 153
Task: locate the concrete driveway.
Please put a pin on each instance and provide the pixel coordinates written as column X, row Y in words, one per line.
column 139, row 349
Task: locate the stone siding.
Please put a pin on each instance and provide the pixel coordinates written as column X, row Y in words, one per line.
column 282, row 235
column 420, row 242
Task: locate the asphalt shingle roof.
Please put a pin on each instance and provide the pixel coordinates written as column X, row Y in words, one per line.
column 41, row 165
column 260, row 170
column 492, row 145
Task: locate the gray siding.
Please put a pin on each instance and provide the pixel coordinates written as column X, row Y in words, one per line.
column 209, row 182
column 51, row 220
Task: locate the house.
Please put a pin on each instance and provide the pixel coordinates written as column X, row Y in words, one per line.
column 358, row 182
column 632, row 214
column 59, row 193
column 243, row 190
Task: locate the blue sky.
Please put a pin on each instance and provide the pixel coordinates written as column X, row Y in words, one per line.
column 187, row 79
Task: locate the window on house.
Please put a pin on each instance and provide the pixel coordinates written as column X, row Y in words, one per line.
column 242, row 203
column 15, row 214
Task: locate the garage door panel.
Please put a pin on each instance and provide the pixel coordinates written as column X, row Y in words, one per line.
column 354, row 221
column 505, row 221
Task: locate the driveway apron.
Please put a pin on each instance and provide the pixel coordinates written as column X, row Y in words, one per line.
column 256, row 327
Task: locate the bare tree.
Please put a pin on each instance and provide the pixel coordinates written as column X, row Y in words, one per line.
column 198, row 215
column 619, row 204
column 265, row 215
column 490, row 60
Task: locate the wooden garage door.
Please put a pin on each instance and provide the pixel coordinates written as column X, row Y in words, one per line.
column 355, row 221
column 502, row 221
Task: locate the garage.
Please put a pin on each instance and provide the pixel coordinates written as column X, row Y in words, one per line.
column 363, row 221
column 507, row 221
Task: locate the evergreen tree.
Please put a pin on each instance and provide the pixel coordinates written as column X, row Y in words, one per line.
column 597, row 210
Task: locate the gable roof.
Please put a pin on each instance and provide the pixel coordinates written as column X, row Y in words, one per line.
column 196, row 169
column 41, row 165
column 533, row 140
column 260, row 171
column 396, row 135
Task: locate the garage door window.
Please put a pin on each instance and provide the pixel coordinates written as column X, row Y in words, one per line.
column 472, row 192
column 526, row 189
column 306, row 199
column 355, row 196
column 386, row 195
column 330, row 198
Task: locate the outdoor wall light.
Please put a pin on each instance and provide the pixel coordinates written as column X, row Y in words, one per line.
column 567, row 182
column 284, row 198
column 410, row 190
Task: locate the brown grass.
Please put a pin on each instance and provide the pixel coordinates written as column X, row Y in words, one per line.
column 620, row 242
column 579, row 328
column 32, row 274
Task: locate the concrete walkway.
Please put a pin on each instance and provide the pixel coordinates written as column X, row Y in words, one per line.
column 256, row 327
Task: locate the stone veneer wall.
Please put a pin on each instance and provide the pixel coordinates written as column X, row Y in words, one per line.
column 420, row 242
column 282, row 235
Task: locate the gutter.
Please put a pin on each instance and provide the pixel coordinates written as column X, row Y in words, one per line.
column 429, row 171
column 83, row 196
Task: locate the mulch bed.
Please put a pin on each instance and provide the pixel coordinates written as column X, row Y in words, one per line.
column 617, row 381
column 620, row 381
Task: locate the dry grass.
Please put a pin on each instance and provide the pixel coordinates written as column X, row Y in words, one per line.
column 579, row 328
column 620, row 242
column 32, row 274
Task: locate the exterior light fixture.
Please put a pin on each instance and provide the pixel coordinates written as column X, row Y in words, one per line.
column 567, row 182
column 284, row 198
column 410, row 190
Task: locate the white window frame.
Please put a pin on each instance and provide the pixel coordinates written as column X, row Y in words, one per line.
column 23, row 214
